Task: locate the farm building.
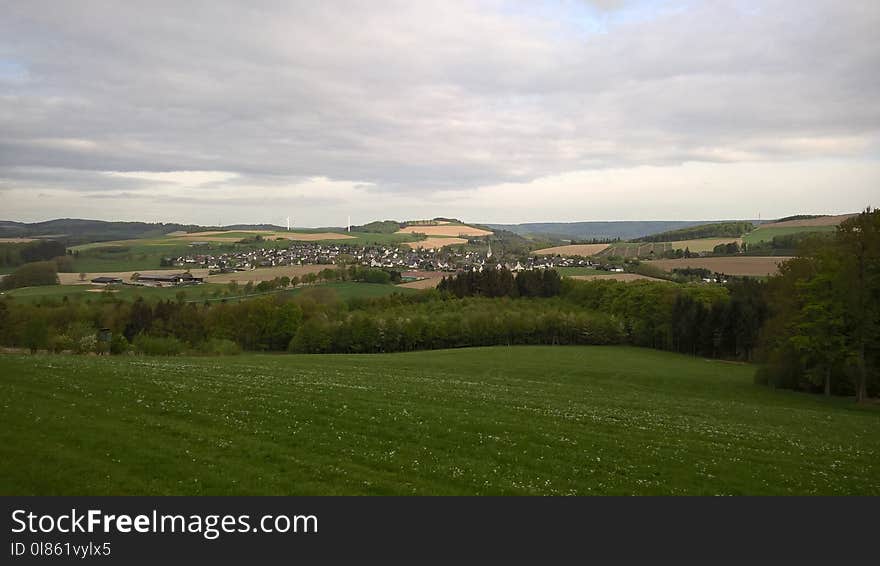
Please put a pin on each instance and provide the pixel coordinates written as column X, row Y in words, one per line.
column 168, row 279
column 106, row 281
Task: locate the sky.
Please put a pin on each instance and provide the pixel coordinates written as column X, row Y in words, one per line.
column 216, row 112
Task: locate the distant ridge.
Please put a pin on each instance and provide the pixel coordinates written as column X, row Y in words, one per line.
column 624, row 229
column 75, row 230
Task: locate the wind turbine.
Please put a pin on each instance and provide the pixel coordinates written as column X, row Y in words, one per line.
column 349, row 223
column 288, row 224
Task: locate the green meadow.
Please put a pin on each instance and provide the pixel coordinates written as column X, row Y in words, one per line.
column 198, row 293
column 521, row 420
column 766, row 234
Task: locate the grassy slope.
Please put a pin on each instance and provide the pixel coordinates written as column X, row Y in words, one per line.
column 526, row 420
column 765, row 234
column 209, row 291
column 573, row 271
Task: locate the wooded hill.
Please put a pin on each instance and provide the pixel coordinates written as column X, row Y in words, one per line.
column 719, row 230
column 73, row 231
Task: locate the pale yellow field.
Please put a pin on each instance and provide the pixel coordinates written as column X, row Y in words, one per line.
column 436, row 243
column 429, row 283
column 739, row 265
column 616, row 277
column 445, row 230
column 581, row 250
column 704, row 244
column 266, row 273
column 16, row 240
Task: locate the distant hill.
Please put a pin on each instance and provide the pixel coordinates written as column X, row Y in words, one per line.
column 625, row 230
column 74, row 231
column 714, row 230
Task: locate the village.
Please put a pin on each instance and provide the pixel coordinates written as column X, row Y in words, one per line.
column 376, row 256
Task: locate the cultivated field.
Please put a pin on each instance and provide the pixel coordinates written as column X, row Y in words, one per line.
column 704, row 244
column 266, row 273
column 16, row 240
column 737, row 265
column 576, row 250
column 603, row 420
column 812, row 222
column 429, row 243
column 430, row 281
column 445, row 230
column 626, row 277
column 636, row 250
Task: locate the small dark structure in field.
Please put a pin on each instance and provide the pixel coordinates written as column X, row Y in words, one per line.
column 107, row 281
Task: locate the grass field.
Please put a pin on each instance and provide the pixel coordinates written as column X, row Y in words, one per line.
column 349, row 290
column 125, row 292
column 524, row 420
column 579, row 271
column 198, row 293
column 766, row 234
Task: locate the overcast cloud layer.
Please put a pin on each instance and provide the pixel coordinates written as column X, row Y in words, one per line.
column 490, row 111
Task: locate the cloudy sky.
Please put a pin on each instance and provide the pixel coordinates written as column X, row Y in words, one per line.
column 496, row 111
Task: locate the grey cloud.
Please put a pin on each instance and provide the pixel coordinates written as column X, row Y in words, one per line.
column 412, row 96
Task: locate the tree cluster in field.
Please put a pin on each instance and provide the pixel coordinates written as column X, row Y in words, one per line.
column 719, row 230
column 731, row 248
column 379, row 227
column 31, row 274
column 786, row 243
column 13, row 254
column 503, row 283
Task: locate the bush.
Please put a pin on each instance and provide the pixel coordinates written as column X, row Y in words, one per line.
column 158, row 346
column 118, row 344
column 220, row 347
column 32, row 274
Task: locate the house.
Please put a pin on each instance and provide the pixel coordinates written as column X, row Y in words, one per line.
column 106, row 281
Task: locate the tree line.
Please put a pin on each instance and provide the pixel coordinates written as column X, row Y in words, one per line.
column 13, row 254
column 824, row 330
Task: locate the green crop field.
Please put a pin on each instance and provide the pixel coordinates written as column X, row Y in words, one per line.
column 766, row 234
column 522, row 420
column 198, row 293
column 573, row 271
